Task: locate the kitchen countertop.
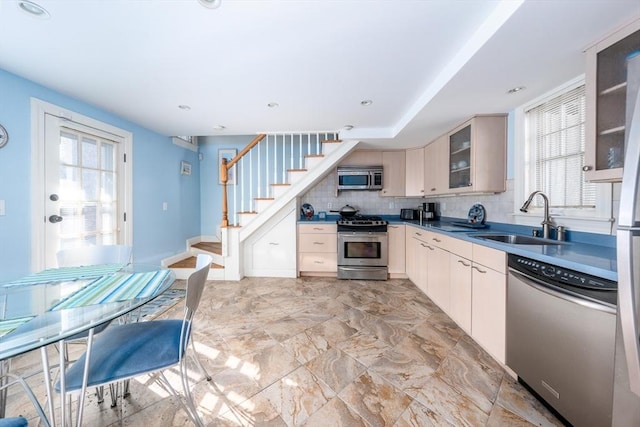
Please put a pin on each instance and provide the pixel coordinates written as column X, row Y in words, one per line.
column 588, row 253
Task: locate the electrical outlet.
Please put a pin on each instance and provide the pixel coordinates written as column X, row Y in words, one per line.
column 165, row 206
column 391, row 205
column 2, row 211
column 329, row 205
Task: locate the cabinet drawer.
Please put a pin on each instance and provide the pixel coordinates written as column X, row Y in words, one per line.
column 460, row 247
column 489, row 257
column 317, row 228
column 318, row 243
column 325, row 262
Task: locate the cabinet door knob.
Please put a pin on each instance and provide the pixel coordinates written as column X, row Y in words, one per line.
column 587, row 168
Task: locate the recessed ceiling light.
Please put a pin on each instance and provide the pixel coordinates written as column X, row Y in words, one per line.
column 33, row 9
column 273, row 105
column 184, row 107
column 219, row 127
column 516, row 89
column 347, row 127
column 210, row 4
column 366, row 102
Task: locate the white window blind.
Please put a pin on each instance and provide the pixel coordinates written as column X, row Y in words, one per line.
column 555, row 133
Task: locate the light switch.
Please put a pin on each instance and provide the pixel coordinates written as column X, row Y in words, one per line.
column 2, row 208
column 165, row 205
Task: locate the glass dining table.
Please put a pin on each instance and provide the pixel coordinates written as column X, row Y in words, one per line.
column 58, row 304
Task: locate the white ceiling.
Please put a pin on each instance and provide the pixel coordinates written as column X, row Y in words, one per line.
column 426, row 65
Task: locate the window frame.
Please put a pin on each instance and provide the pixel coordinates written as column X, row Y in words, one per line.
column 597, row 220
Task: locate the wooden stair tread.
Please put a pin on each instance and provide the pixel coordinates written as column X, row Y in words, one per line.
column 191, row 263
column 247, row 213
column 280, row 185
column 331, row 141
column 296, row 170
column 213, row 247
column 263, row 198
column 314, row 155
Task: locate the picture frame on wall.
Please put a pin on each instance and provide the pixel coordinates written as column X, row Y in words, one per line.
column 185, row 168
column 229, row 154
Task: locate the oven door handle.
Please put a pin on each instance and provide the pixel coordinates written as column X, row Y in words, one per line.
column 543, row 287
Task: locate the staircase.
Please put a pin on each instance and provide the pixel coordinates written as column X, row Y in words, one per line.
column 267, row 176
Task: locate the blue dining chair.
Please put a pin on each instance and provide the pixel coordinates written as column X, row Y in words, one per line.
column 125, row 351
column 9, row 380
column 93, row 255
column 14, row 422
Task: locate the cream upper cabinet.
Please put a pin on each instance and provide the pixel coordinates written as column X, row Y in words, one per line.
column 393, row 180
column 363, row 158
column 414, row 173
column 436, row 176
column 606, row 89
column 397, row 249
column 477, row 155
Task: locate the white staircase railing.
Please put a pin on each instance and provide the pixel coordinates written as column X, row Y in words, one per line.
column 256, row 172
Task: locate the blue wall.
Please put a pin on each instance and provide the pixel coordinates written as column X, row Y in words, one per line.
column 156, row 179
column 210, row 190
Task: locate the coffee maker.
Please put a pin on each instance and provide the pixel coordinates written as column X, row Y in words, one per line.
column 429, row 211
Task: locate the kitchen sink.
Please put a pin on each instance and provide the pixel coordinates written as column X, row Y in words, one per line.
column 517, row 239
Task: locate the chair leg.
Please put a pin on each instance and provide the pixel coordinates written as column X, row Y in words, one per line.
column 199, row 363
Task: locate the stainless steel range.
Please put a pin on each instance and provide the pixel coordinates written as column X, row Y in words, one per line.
column 362, row 248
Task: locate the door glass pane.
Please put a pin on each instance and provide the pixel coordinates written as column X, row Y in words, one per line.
column 90, row 184
column 108, row 187
column 89, row 218
column 89, row 153
column 88, row 189
column 69, row 183
column 68, row 148
column 108, row 156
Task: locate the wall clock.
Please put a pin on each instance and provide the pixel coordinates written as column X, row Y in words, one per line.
column 4, row 136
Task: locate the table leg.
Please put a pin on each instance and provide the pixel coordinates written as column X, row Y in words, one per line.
column 47, row 383
column 4, row 370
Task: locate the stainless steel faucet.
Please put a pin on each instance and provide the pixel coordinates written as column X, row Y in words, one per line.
column 547, row 225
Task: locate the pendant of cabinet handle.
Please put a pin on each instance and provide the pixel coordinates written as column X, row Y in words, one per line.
column 274, row 243
column 479, row 271
column 464, row 263
column 318, row 243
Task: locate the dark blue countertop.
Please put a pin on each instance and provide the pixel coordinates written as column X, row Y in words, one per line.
column 588, row 253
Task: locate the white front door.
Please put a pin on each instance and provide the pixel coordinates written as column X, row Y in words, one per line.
column 84, row 195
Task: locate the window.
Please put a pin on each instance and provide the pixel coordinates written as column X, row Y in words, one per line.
column 555, row 136
column 549, row 156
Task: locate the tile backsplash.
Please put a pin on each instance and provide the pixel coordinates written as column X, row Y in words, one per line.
column 323, row 198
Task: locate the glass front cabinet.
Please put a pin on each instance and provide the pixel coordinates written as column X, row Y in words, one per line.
column 606, row 89
column 477, row 155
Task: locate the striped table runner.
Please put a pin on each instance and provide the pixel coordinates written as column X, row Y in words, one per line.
column 115, row 287
column 7, row 326
column 67, row 274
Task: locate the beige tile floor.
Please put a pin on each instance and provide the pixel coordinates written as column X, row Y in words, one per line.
column 324, row 352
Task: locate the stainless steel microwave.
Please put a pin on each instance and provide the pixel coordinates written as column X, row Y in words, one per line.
column 360, row 178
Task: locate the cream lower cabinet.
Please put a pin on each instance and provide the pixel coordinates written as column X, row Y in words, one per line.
column 489, row 300
column 397, row 250
column 460, row 298
column 467, row 281
column 417, row 257
column 271, row 251
column 317, row 249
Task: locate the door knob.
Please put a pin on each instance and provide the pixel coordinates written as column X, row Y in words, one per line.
column 55, row 218
column 53, row 197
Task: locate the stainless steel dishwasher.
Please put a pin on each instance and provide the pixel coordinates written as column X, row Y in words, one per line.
column 561, row 327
